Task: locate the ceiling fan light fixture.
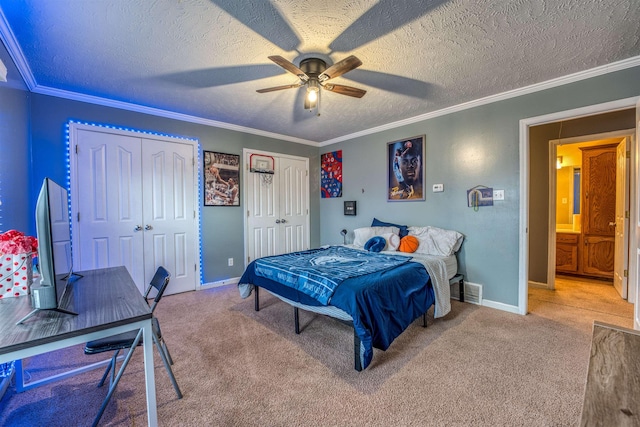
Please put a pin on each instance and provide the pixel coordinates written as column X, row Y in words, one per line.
column 312, row 90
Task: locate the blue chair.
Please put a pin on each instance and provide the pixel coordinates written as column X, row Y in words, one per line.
column 129, row 340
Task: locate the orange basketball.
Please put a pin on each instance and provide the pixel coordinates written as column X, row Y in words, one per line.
column 408, row 244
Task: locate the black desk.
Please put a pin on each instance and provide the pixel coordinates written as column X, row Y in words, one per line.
column 107, row 302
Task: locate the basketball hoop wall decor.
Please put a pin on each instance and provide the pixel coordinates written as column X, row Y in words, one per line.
column 264, row 165
column 221, row 179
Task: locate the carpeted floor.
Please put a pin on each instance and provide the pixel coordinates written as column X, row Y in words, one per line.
column 237, row 367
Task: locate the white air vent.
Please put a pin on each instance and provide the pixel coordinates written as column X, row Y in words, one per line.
column 472, row 292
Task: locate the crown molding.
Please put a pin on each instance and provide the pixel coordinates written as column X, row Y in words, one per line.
column 537, row 87
column 10, row 42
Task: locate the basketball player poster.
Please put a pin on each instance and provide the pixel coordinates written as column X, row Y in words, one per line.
column 405, row 169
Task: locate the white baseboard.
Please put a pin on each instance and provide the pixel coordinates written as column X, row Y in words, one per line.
column 538, row 285
column 230, row 281
column 501, row 306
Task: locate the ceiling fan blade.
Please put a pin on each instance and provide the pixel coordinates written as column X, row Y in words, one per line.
column 345, row 90
column 272, row 89
column 287, row 65
column 339, row 68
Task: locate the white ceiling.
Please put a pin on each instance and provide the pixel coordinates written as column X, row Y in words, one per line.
column 205, row 59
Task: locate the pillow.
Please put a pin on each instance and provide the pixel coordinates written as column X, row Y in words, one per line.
column 393, row 241
column 375, row 244
column 436, row 241
column 404, row 230
column 361, row 235
column 408, row 244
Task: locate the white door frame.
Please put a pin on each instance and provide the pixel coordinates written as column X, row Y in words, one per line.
column 553, row 147
column 524, row 125
column 74, row 127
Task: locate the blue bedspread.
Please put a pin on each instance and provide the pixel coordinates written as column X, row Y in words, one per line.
column 382, row 304
column 318, row 272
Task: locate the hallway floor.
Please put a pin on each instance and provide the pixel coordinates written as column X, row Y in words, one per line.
column 581, row 297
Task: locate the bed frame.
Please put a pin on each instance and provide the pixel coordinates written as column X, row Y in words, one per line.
column 458, row 278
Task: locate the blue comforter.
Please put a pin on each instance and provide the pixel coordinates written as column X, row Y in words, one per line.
column 382, row 304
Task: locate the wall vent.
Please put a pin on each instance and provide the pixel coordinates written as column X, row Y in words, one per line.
column 472, row 293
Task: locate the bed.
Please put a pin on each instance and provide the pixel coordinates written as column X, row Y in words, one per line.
column 379, row 293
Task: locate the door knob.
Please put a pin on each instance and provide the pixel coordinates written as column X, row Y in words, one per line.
column 277, row 221
column 148, row 227
column 138, row 228
column 612, row 224
column 282, row 221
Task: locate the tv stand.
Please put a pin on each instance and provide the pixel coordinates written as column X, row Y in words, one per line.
column 35, row 310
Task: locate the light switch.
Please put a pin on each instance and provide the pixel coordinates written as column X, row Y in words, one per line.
column 498, row 194
column 438, row 188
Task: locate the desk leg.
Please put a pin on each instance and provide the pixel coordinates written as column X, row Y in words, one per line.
column 150, row 381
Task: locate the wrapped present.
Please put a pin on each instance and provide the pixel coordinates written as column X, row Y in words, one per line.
column 16, row 275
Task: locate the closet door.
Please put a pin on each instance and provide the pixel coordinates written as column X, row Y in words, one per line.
column 135, row 201
column 277, row 208
column 168, row 212
column 108, row 203
column 599, row 210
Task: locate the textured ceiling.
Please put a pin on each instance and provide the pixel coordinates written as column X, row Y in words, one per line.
column 207, row 58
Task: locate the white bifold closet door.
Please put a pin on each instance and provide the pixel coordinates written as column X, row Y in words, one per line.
column 135, row 203
column 277, row 219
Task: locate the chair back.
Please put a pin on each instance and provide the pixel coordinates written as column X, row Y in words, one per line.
column 159, row 282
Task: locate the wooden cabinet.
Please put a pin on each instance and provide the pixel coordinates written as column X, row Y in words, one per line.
column 567, row 249
column 599, row 210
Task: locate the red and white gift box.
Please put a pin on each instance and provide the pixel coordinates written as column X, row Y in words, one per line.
column 16, row 275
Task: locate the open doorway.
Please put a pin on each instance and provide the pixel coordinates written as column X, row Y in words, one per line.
column 535, row 183
column 589, row 208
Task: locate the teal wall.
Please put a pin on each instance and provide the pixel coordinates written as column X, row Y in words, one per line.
column 477, row 146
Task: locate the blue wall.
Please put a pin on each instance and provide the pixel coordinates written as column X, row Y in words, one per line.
column 15, row 162
column 222, row 228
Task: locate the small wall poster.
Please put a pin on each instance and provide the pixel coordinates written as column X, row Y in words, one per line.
column 331, row 174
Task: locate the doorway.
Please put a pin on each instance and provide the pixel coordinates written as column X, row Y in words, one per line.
column 589, row 208
column 534, row 217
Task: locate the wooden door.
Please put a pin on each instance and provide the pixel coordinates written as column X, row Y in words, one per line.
column 599, row 209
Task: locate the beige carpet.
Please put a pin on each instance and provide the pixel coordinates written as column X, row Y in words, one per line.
column 475, row 367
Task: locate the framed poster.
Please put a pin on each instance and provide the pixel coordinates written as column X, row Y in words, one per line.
column 331, row 174
column 405, row 169
column 221, row 179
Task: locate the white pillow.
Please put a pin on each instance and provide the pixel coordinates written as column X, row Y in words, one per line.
column 361, row 235
column 393, row 241
column 436, row 241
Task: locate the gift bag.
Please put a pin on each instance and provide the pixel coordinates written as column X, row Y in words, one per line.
column 16, row 275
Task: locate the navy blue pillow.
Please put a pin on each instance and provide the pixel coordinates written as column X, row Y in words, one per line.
column 375, row 244
column 404, row 230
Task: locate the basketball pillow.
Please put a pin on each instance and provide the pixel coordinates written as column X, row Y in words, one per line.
column 408, row 244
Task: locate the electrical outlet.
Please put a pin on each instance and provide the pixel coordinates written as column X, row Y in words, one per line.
column 498, row 194
column 438, row 188
column 230, row 262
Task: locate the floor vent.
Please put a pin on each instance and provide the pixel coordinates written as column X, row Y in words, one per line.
column 472, row 293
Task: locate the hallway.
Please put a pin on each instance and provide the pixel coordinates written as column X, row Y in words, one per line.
column 581, row 298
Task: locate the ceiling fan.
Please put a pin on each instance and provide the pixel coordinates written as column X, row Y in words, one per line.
column 314, row 74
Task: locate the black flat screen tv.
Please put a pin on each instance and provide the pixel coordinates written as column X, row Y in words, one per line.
column 54, row 249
